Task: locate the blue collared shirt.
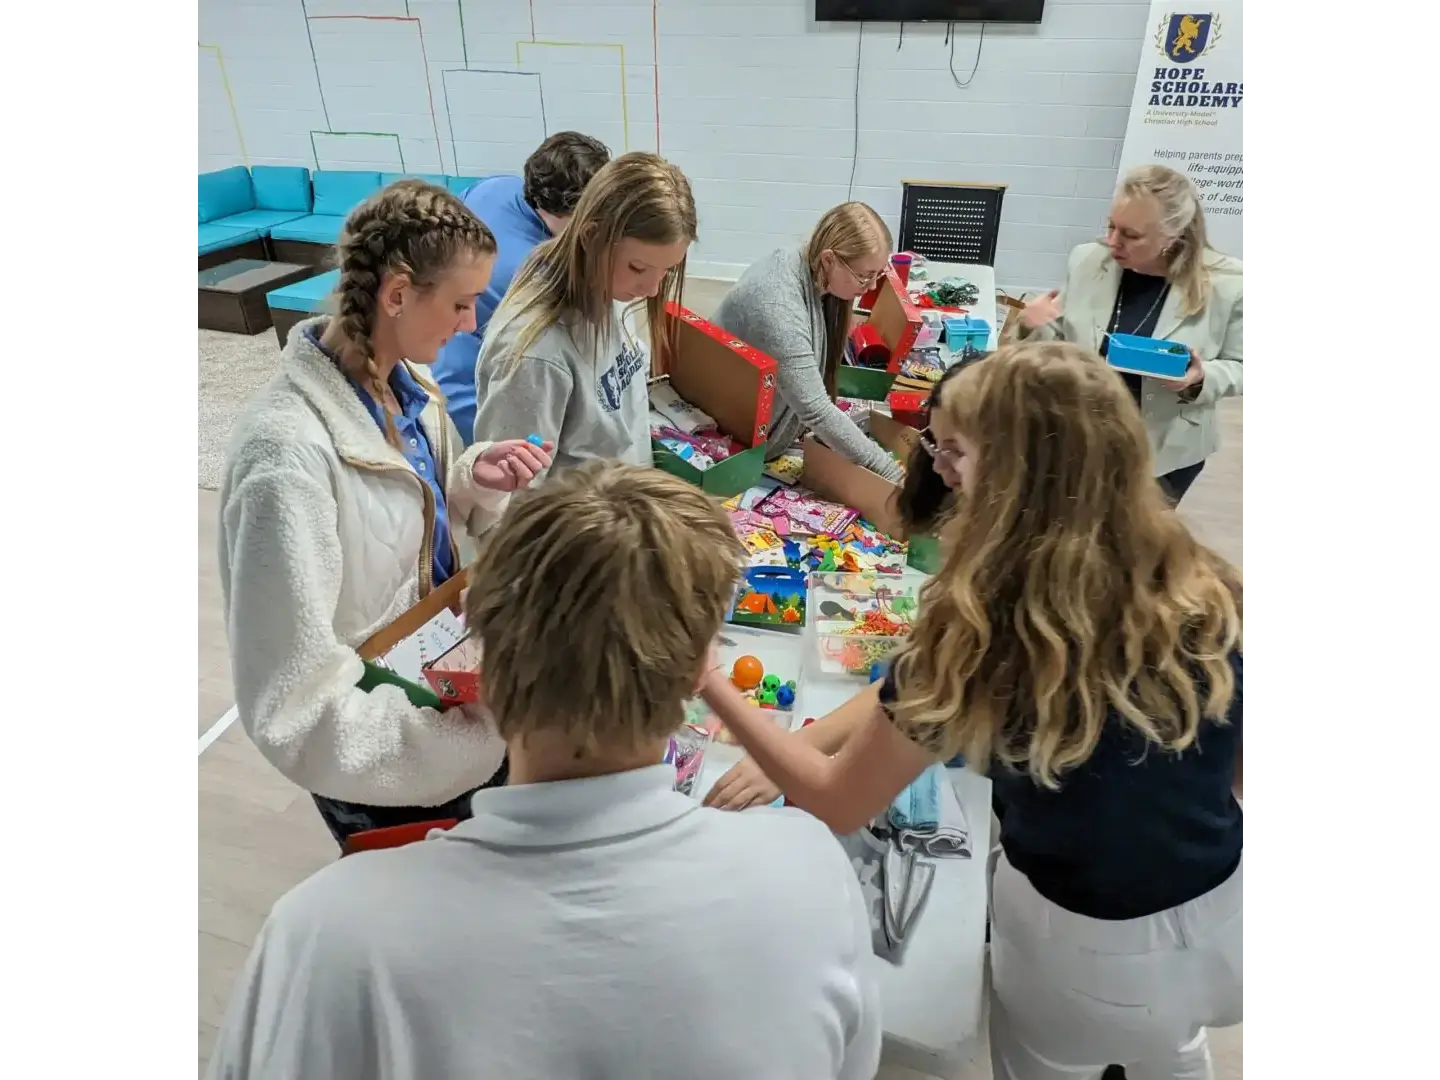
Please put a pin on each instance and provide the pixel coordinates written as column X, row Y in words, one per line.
column 500, row 203
column 415, row 445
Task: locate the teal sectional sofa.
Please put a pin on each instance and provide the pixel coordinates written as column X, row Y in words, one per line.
column 239, row 207
column 287, row 213
column 294, row 303
column 310, row 239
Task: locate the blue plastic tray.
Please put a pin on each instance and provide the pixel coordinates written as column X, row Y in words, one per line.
column 1148, row 356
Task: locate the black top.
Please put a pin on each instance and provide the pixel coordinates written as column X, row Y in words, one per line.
column 1138, row 301
column 1135, row 830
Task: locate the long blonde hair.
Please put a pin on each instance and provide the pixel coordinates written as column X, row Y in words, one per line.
column 410, row 227
column 851, row 231
column 1069, row 589
column 635, row 197
column 1189, row 257
column 634, row 567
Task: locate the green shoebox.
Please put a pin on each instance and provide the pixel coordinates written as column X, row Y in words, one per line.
column 924, row 554
column 723, row 479
column 867, row 384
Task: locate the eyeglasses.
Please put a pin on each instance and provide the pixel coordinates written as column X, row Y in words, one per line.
column 865, row 280
column 936, row 451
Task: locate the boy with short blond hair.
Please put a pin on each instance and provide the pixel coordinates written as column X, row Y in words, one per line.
column 588, row 920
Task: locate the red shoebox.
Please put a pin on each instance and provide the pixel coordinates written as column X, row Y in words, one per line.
column 907, row 408
column 455, row 674
column 711, row 368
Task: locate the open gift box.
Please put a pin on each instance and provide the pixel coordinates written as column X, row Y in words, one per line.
column 897, row 322
column 426, row 642
column 835, row 477
column 730, row 381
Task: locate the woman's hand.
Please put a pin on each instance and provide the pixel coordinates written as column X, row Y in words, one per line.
column 743, row 785
column 511, row 465
column 1041, row 311
column 1194, row 376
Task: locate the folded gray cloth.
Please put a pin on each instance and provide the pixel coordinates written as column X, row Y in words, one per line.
column 944, row 842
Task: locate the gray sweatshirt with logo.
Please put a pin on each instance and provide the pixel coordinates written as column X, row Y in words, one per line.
column 591, row 404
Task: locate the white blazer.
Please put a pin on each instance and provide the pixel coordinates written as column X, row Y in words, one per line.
column 326, row 537
column 1181, row 433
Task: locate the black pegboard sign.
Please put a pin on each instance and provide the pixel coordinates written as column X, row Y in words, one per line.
column 948, row 223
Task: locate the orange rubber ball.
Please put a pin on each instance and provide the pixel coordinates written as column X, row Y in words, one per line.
column 747, row 673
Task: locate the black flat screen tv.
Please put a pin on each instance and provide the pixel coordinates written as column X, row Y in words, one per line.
column 996, row 11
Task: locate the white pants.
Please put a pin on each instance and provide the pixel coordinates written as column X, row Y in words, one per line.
column 1070, row 994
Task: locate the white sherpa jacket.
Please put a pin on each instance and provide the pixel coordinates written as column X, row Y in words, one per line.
column 325, row 537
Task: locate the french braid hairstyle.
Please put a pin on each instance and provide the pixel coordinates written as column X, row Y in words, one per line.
column 413, row 228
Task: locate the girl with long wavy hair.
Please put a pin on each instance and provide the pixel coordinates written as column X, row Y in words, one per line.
column 561, row 356
column 1081, row 648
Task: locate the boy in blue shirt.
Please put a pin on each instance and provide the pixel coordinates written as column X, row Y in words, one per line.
column 522, row 212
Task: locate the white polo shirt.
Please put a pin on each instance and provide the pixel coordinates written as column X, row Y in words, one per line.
column 605, row 929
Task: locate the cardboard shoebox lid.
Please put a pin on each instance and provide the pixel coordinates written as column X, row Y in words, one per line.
column 732, row 381
column 835, row 477
column 896, row 318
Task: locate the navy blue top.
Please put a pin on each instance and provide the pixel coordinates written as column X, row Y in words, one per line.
column 500, row 203
column 1138, row 300
column 1135, row 830
column 415, row 445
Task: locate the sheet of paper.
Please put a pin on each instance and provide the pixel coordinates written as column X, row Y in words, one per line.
column 409, row 657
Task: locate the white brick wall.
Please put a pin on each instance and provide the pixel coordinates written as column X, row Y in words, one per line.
column 755, row 104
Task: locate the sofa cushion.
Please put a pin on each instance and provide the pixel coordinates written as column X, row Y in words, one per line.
column 281, row 187
column 308, row 295
column 263, row 220
column 215, row 237
column 438, row 179
column 338, row 191
column 313, row 229
column 225, row 192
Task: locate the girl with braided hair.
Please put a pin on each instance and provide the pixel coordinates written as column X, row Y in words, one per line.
column 561, row 357
column 347, row 497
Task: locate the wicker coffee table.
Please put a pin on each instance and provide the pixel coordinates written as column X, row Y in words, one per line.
column 232, row 295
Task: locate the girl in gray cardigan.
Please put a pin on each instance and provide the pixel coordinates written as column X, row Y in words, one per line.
column 795, row 305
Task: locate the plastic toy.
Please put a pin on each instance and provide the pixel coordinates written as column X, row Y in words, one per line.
column 774, row 694
column 770, row 596
column 877, row 672
column 748, row 673
column 534, row 440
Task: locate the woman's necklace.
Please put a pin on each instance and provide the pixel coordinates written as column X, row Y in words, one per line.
column 1119, row 300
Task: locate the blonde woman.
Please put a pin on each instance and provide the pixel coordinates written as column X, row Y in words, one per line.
column 795, row 305
column 347, row 498
column 561, row 358
column 1155, row 275
column 1083, row 649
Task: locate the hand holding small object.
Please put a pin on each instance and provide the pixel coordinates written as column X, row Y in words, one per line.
column 1041, row 311
column 1194, row 375
column 511, row 464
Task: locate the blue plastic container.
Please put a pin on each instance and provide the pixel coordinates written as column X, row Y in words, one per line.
column 966, row 331
column 1148, row 356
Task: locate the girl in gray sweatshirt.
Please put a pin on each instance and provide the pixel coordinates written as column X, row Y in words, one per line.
column 561, row 359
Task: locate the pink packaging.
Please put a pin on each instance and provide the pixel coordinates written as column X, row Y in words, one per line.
column 808, row 514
